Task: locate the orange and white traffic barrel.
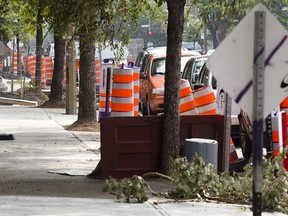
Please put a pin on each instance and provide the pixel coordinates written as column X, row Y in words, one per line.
column 136, row 86
column 15, row 63
column 284, row 108
column 187, row 102
column 233, row 157
column 43, row 74
column 124, row 75
column 123, row 92
column 48, row 70
column 185, row 88
column 284, row 129
column 205, row 100
column 32, row 66
column 122, row 89
column 97, row 74
column 119, row 104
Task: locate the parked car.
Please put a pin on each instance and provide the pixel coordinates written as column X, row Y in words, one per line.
column 151, row 50
column 193, row 46
column 192, row 69
column 152, row 77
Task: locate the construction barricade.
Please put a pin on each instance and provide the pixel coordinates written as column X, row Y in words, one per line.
column 98, row 74
column 187, row 103
column 48, row 68
column 136, row 86
column 284, row 109
column 205, row 100
column 32, row 69
column 123, row 92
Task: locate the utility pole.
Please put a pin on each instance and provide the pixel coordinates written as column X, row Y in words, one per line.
column 70, row 74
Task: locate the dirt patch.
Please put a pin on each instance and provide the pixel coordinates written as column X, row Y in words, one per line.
column 27, row 95
column 53, row 104
column 80, row 126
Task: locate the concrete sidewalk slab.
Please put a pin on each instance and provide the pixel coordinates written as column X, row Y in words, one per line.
column 29, row 184
column 22, row 205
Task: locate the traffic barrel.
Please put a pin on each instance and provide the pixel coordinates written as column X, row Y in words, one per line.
column 123, row 92
column 205, row 100
column 284, row 108
column 187, row 103
column 98, row 74
column 48, row 69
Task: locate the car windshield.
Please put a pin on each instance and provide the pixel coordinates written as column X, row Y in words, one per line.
column 158, row 65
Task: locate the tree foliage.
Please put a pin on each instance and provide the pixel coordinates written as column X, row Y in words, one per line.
column 213, row 15
column 18, row 19
column 279, row 8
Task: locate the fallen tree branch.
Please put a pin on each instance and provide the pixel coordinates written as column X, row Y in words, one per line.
column 156, row 174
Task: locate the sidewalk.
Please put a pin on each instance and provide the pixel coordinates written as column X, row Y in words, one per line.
column 43, row 172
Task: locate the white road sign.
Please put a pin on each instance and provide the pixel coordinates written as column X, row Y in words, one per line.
column 232, row 62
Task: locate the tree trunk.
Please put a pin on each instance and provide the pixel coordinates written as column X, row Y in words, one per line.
column 58, row 73
column 213, row 32
column 39, row 42
column 87, row 86
column 171, row 121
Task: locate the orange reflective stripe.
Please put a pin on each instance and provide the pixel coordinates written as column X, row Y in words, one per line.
column 136, row 76
column 284, row 103
column 122, row 78
column 122, row 92
column 185, row 89
column 275, row 136
column 121, row 107
column 136, row 89
column 205, row 99
column 187, row 103
column 209, row 112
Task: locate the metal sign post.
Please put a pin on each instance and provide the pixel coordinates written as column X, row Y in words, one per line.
column 227, row 132
column 258, row 109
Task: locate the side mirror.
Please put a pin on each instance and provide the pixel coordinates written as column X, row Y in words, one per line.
column 197, row 86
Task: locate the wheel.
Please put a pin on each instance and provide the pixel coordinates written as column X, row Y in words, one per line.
column 246, row 144
column 146, row 110
column 246, row 135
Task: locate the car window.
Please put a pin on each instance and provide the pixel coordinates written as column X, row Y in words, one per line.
column 205, row 78
column 197, row 66
column 146, row 64
column 187, row 70
column 143, row 64
column 158, row 67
